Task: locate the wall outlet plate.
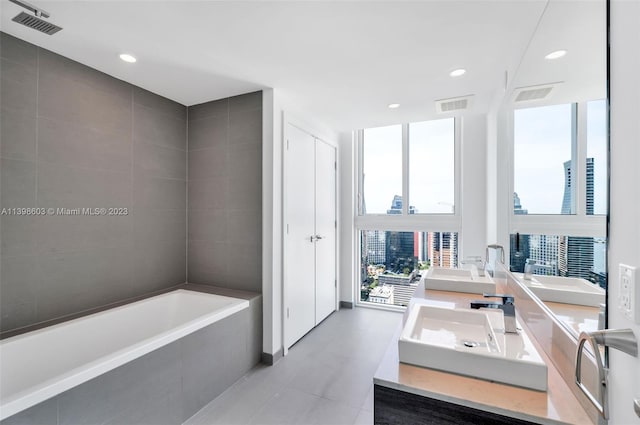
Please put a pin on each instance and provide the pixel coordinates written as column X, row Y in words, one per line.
column 629, row 297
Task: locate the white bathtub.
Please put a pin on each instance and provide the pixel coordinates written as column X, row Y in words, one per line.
column 41, row 364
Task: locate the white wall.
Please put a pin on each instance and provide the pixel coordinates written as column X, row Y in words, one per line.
column 275, row 105
column 492, row 177
column 624, row 242
column 474, row 188
column 346, row 214
column 271, row 225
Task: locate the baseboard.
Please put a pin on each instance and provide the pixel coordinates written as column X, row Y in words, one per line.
column 346, row 304
column 271, row 359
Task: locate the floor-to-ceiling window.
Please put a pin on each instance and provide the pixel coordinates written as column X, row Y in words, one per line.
column 408, row 217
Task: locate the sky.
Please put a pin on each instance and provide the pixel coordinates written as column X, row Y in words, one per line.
column 431, row 166
column 542, row 144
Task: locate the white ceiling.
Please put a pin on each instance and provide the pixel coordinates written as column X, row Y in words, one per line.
column 342, row 61
column 580, row 28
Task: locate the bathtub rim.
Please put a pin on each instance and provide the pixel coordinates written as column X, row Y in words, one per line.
column 30, row 397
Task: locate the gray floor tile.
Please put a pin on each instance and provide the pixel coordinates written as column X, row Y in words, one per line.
column 368, row 402
column 364, row 418
column 330, row 412
column 289, row 406
column 326, row 378
column 226, row 410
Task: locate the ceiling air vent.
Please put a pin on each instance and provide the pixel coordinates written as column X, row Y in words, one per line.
column 36, row 23
column 531, row 93
column 453, row 104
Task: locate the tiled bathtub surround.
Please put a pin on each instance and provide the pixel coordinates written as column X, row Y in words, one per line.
column 166, row 386
column 73, row 137
column 225, row 192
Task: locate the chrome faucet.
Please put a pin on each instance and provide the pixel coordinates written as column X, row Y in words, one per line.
column 531, row 264
column 497, row 257
column 507, row 306
column 477, row 262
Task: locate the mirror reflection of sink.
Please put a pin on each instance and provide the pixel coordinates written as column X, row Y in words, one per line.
column 567, row 290
column 459, row 280
column 470, row 342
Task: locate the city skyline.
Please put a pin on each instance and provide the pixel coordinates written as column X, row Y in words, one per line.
column 571, row 256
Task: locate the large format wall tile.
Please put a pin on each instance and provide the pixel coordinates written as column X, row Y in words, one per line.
column 18, row 179
column 128, row 394
column 73, row 137
column 16, row 50
column 225, row 193
column 75, row 145
column 159, row 128
column 19, row 277
column 18, row 133
column 71, row 187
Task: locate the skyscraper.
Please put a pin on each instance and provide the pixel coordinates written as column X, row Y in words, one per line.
column 544, row 249
column 396, row 206
column 375, row 245
column 576, row 253
column 519, row 244
column 400, row 251
column 517, row 206
column 443, row 249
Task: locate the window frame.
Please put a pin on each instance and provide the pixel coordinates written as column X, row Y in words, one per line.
column 420, row 222
column 577, row 224
column 405, row 222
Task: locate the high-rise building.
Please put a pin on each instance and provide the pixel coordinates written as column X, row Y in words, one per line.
column 375, row 245
column 519, row 244
column 400, row 251
column 544, row 249
column 576, row 253
column 517, row 206
column 443, row 249
column 590, row 187
column 396, row 206
column 567, row 200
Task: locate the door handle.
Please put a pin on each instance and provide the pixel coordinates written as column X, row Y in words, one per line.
column 314, row 238
column 620, row 339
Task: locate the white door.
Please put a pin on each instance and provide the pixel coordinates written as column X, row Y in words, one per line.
column 325, row 202
column 299, row 261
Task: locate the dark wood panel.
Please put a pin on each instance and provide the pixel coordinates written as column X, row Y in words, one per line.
column 394, row 407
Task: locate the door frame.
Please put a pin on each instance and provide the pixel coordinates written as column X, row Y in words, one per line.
column 290, row 119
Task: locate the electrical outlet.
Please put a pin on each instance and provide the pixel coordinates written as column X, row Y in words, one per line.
column 629, row 297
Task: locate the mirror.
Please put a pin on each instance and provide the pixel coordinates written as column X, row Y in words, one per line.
column 555, row 115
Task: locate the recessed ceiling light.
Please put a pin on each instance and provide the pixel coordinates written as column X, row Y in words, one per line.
column 457, row 72
column 394, row 105
column 555, row 55
column 127, row 58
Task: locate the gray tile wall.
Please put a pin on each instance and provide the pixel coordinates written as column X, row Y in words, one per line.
column 225, row 193
column 74, row 137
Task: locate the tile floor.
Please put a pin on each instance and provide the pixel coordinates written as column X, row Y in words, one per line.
column 325, row 379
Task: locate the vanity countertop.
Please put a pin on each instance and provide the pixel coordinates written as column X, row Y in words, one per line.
column 556, row 406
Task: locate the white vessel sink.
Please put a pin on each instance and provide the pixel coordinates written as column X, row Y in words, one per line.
column 567, row 290
column 470, row 342
column 459, row 280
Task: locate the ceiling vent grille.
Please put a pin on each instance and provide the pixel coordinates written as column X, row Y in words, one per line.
column 531, row 93
column 36, row 23
column 453, row 104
